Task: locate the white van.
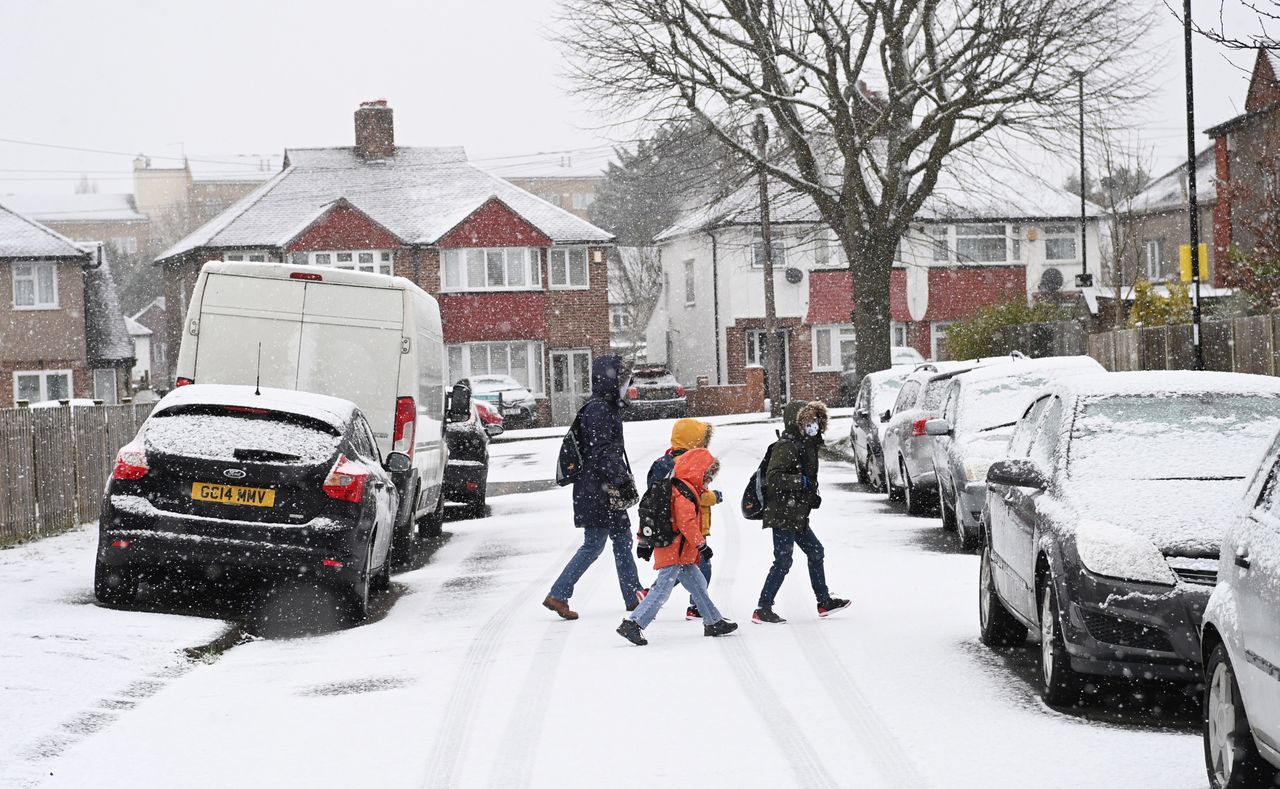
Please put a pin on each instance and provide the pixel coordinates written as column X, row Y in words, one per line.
column 372, row 339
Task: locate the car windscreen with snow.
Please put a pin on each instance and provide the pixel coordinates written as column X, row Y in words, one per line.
column 998, row 402
column 239, row 434
column 1171, row 466
column 884, row 393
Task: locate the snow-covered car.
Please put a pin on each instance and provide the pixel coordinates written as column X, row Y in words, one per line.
column 654, row 393
column 466, row 475
column 488, row 414
column 876, row 395
column 1240, row 641
column 223, row 480
column 979, row 410
column 899, row 356
column 908, row 451
column 1105, row 520
column 513, row 400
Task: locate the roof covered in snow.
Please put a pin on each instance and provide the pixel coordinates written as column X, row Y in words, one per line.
column 1169, row 191
column 22, row 237
column 136, row 329
column 331, row 410
column 419, row 194
column 585, row 163
column 75, row 207
column 107, row 337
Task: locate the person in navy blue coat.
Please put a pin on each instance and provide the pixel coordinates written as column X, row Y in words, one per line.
column 603, row 493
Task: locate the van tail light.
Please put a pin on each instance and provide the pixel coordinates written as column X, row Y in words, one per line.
column 633, row 393
column 917, row 427
column 184, row 381
column 346, row 480
column 131, row 462
column 406, row 424
column 306, row 275
column 679, row 391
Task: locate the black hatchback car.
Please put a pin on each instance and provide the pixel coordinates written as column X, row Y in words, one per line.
column 226, row 481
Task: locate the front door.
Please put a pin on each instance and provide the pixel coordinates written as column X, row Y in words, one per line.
column 758, row 353
column 570, row 383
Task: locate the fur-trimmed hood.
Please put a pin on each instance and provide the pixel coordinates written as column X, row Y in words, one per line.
column 798, row 412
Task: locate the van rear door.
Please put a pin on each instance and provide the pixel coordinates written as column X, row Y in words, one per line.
column 351, row 348
column 240, row 316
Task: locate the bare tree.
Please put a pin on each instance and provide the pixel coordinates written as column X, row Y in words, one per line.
column 1264, row 14
column 1122, row 167
column 636, row 279
column 945, row 73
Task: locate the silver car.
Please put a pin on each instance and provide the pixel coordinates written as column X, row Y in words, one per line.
column 979, row 410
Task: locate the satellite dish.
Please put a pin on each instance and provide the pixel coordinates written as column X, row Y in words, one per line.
column 794, row 275
column 1051, row 280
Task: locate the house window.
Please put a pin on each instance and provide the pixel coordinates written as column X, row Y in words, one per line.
column 372, row 261
column 689, row 292
column 161, row 350
column 104, row 385
column 619, row 316
column 834, row 347
column 568, row 267
column 939, row 242
column 898, row 333
column 583, row 200
column 520, row 359
column 1154, row 258
column 497, row 268
column 251, row 256
column 938, row 332
column 1060, row 242
column 821, row 249
column 35, row 286
column 981, row 244
column 36, row 385
column 779, row 250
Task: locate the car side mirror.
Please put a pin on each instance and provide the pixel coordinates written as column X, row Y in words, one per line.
column 397, row 462
column 937, row 427
column 459, row 407
column 862, row 412
column 494, row 430
column 1017, row 472
column 886, row 415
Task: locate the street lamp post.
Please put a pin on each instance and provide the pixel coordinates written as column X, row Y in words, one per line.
column 1192, row 202
column 1084, row 279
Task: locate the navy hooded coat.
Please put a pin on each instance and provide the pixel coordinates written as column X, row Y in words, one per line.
column 600, row 421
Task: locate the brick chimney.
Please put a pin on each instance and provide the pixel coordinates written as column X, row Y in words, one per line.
column 375, row 130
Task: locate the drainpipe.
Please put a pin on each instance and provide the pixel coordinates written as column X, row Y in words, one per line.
column 715, row 299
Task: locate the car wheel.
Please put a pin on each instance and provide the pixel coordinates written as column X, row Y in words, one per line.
column 1230, row 754
column 875, row 472
column 402, row 532
column 915, row 500
column 997, row 627
column 896, row 493
column 114, row 586
column 430, row 527
column 969, row 538
column 949, row 514
column 1059, row 683
column 382, row 580
column 478, row 506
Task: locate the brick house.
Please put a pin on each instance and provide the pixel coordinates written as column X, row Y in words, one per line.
column 522, row 284
column 62, row 334
column 1246, row 163
column 1014, row 238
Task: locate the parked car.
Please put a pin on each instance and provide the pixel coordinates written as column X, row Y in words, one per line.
column 513, row 400
column 1240, row 642
column 876, row 395
column 1104, row 523
column 899, row 356
column 467, row 473
column 222, row 480
column 979, row 410
column 369, row 338
column 654, row 393
column 488, row 414
column 908, row 451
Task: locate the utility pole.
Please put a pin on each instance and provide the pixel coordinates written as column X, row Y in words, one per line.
column 1192, row 203
column 1084, row 279
column 773, row 353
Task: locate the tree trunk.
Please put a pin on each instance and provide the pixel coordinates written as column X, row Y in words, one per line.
column 870, row 264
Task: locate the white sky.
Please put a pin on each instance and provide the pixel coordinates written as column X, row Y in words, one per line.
column 255, row 76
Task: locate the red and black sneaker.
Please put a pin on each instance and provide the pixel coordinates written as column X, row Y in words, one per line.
column 641, row 594
column 766, row 616
column 831, row 605
column 691, row 613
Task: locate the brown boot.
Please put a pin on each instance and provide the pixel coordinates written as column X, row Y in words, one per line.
column 560, row 607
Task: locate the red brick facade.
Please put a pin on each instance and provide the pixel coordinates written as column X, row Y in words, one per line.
column 343, row 227
column 494, row 225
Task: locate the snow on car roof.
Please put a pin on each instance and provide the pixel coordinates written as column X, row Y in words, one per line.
column 333, row 411
column 1169, row 381
column 1031, row 366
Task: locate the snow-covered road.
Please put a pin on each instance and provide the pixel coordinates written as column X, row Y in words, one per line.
column 468, row 681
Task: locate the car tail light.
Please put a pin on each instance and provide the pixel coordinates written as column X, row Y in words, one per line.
column 917, row 427
column 346, row 481
column 131, row 462
column 183, row 381
column 406, row 424
column 334, row 563
column 244, row 409
column 633, row 393
column 679, row 391
column 307, row 275
column 119, row 543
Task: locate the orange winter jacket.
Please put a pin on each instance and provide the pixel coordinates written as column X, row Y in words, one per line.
column 691, row 469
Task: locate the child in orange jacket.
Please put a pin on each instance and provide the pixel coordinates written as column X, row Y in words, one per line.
column 677, row 563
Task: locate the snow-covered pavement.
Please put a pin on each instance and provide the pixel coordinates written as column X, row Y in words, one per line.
column 468, row 681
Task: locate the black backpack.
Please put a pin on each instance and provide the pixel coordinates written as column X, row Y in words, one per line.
column 572, row 461
column 657, row 526
column 753, row 498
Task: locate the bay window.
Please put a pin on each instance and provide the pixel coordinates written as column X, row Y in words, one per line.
column 35, row 286
column 490, row 268
column 372, row 261
column 252, row 256
column 520, row 359
column 567, row 268
column 981, row 244
column 834, row 347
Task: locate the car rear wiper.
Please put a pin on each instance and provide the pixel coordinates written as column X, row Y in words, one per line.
column 265, row 455
column 997, row 427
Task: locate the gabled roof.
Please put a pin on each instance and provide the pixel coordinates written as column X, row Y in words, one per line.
column 418, row 194
column 1169, row 191
column 136, row 329
column 106, row 335
column 91, row 207
column 21, row 237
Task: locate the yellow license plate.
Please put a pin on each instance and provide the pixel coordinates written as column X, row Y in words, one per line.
column 233, row 494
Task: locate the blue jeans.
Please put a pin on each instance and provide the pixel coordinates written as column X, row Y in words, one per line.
column 705, row 566
column 784, row 541
column 593, row 538
column 688, row 576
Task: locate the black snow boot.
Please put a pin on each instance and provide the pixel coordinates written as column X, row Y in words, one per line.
column 766, row 616
column 722, row 628
column 632, row 632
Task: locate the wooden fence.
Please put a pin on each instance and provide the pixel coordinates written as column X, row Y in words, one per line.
column 56, row 462
column 1242, row 345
